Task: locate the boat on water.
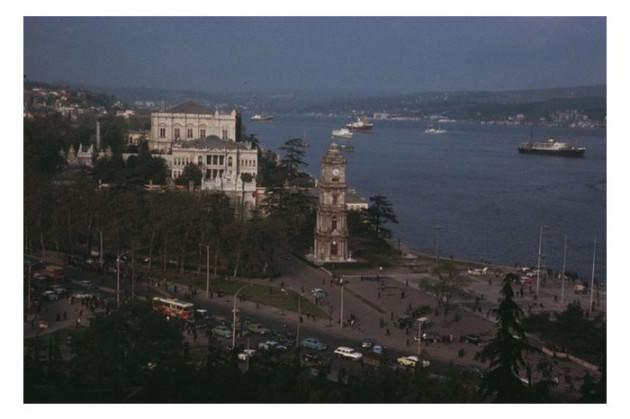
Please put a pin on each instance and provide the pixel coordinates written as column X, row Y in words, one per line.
column 346, row 147
column 342, row 133
column 360, row 124
column 261, row 117
column 552, row 147
column 434, row 131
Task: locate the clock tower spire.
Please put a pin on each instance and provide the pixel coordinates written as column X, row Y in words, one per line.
column 331, row 229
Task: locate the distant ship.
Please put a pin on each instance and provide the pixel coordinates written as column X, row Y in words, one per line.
column 342, row 133
column 552, row 147
column 360, row 124
column 260, row 117
column 432, row 130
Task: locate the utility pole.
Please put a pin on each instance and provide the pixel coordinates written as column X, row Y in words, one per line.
column 297, row 334
column 564, row 267
column 100, row 253
column 539, row 261
column 133, row 275
column 437, row 243
column 234, row 314
column 419, row 336
column 590, row 300
column 29, row 303
column 341, row 309
column 207, row 271
column 118, row 280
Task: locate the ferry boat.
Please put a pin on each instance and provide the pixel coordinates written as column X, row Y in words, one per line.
column 360, row 124
column 342, row 133
column 552, row 147
column 434, row 131
column 261, row 117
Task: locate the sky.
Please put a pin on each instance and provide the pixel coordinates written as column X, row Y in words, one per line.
column 388, row 55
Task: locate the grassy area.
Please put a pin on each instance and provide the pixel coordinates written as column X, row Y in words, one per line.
column 267, row 295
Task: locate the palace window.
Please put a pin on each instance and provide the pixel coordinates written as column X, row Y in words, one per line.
column 162, row 132
column 189, row 133
column 208, row 159
column 224, row 134
column 334, row 199
column 221, row 160
column 220, row 173
column 230, row 161
column 333, row 248
column 215, row 160
column 176, row 132
column 200, row 160
column 333, row 223
column 202, row 133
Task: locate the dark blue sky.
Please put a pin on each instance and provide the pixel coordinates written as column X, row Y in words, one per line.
column 376, row 54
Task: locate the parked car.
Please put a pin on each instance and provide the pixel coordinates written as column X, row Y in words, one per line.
column 267, row 345
column 246, row 355
column 222, row 331
column 313, row 360
column 43, row 324
column 412, row 361
column 60, row 291
column 431, row 337
column 50, row 295
column 378, row 349
column 318, row 293
column 314, row 343
column 82, row 295
column 257, row 329
column 472, row 338
column 347, row 352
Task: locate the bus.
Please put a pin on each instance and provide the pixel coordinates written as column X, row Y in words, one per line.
column 172, row 307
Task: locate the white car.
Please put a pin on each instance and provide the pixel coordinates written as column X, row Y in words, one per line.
column 246, row 354
column 412, row 361
column 346, row 352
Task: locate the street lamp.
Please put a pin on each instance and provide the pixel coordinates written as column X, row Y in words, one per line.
column 207, row 269
column 421, row 320
column 234, row 314
column 341, row 282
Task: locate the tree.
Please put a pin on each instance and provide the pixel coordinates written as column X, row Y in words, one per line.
column 191, row 172
column 504, row 352
column 293, row 159
column 379, row 213
column 448, row 284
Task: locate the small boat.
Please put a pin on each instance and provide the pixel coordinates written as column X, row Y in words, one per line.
column 346, row 147
column 360, row 124
column 261, row 117
column 342, row 133
column 432, row 130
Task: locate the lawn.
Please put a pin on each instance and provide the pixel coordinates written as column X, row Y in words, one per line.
column 263, row 294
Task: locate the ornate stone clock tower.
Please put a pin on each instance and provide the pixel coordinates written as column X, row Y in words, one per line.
column 331, row 230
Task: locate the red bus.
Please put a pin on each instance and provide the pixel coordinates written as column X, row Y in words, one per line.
column 173, row 307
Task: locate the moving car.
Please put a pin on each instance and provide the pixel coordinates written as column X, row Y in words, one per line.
column 412, row 361
column 347, row 352
column 257, row 329
column 314, row 343
column 431, row 337
column 222, row 331
column 50, row 295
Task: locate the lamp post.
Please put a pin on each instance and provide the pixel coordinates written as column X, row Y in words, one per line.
column 540, row 237
column 29, row 303
column 297, row 334
column 207, row 269
column 118, row 281
column 341, row 282
column 420, row 321
column 590, row 300
column 234, row 314
column 100, row 252
column 564, row 268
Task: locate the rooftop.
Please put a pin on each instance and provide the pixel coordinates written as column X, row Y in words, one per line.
column 190, row 107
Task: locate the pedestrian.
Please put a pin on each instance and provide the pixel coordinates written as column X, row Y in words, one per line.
column 387, row 332
column 65, row 315
column 378, row 294
column 58, row 317
column 407, row 342
column 391, row 316
column 406, row 283
column 78, row 322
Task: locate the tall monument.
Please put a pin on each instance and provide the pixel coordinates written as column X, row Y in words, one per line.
column 331, row 230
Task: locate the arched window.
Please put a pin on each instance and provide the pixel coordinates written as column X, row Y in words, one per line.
column 334, row 199
column 230, row 161
column 333, row 223
column 333, row 248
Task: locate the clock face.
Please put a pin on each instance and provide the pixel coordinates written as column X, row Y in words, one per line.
column 335, row 172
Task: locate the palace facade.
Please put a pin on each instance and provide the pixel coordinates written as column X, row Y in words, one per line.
column 189, row 121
